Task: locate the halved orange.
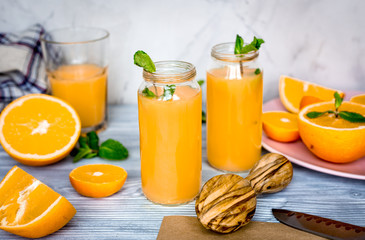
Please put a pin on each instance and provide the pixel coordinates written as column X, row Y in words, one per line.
column 97, row 180
column 39, row 129
column 358, row 99
column 292, row 90
column 29, row 208
column 308, row 100
column 280, row 126
column 332, row 138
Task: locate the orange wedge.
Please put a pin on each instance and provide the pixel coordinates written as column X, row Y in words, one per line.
column 308, row 100
column 29, row 208
column 358, row 99
column 292, row 90
column 280, row 126
column 39, row 129
column 98, row 180
column 330, row 138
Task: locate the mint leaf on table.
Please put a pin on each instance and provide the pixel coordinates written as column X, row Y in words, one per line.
column 142, row 59
column 93, row 140
column 89, row 148
column 168, row 92
column 81, row 154
column 148, row 93
column 352, row 117
column 113, row 150
column 84, row 142
column 243, row 49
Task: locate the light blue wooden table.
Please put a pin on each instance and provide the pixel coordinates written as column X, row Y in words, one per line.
column 129, row 215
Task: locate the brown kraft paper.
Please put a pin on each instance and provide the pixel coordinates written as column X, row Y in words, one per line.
column 184, row 227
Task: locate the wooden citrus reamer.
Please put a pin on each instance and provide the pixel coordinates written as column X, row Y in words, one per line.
column 227, row 202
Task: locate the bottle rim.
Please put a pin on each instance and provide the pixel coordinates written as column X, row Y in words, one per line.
column 225, row 52
column 171, row 71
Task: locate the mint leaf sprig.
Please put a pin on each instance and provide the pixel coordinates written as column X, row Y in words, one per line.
column 240, row 48
column 348, row 116
column 89, row 148
column 142, row 59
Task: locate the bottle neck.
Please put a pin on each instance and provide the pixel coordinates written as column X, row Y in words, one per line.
column 168, row 72
column 225, row 52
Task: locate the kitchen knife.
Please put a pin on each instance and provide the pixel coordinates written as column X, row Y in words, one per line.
column 323, row 227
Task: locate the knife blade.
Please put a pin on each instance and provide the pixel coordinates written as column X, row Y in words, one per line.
column 320, row 226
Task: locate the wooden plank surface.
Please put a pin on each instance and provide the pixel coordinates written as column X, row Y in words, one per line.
column 128, row 215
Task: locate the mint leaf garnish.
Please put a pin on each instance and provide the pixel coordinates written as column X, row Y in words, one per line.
column 93, row 140
column 239, row 45
column 201, row 82
column 243, row 49
column 142, row 59
column 168, row 92
column 148, row 93
column 346, row 115
column 315, row 114
column 338, row 100
column 257, row 71
column 113, row 150
column 352, row 117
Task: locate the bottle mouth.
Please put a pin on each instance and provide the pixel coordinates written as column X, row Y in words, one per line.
column 225, row 52
column 171, row 71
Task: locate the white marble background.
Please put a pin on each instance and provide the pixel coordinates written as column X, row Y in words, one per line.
column 322, row 41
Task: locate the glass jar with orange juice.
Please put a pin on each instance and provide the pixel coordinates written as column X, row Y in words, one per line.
column 169, row 110
column 77, row 64
column 234, row 109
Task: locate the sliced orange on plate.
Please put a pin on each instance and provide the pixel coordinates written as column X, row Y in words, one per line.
column 29, row 208
column 332, row 138
column 308, row 100
column 280, row 126
column 97, row 180
column 358, row 99
column 39, row 129
column 292, row 90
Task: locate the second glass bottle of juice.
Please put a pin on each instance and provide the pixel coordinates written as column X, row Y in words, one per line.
column 169, row 109
column 234, row 109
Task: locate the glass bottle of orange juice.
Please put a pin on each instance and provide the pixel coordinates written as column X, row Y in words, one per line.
column 169, row 110
column 234, row 108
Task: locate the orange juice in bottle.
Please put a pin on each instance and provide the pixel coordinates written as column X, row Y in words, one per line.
column 234, row 109
column 169, row 111
column 84, row 86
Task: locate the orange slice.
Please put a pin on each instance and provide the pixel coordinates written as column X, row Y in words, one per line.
column 29, row 208
column 358, row 99
column 291, row 91
column 308, row 100
column 98, row 180
column 39, row 129
column 330, row 138
column 280, row 126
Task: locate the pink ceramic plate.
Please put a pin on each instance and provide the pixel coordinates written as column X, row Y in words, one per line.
column 298, row 153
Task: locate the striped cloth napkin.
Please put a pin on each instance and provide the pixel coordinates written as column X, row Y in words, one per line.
column 22, row 70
